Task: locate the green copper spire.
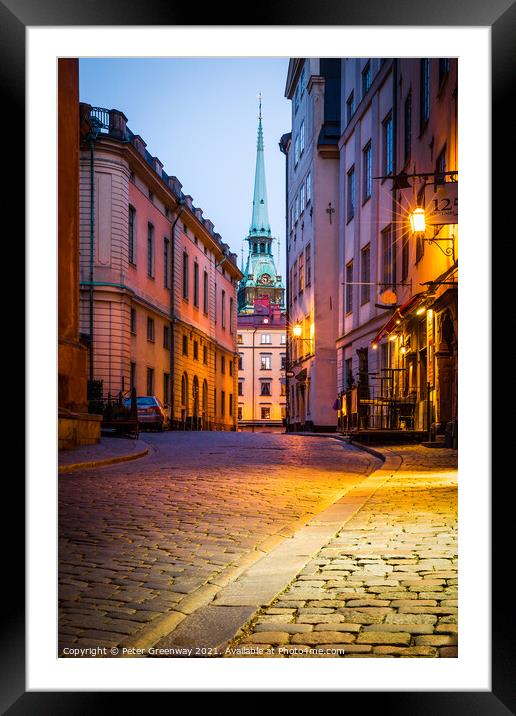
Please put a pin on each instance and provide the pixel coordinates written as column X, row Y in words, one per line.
column 260, row 222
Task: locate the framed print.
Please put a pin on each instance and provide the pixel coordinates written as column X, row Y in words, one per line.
column 256, row 439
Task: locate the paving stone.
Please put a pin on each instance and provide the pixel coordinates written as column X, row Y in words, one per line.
column 377, row 637
column 268, row 637
column 323, row 637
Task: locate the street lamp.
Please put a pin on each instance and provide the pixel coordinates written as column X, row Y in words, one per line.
column 418, row 226
column 297, row 330
column 417, row 220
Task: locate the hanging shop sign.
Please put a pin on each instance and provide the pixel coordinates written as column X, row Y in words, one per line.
column 441, row 203
column 430, row 345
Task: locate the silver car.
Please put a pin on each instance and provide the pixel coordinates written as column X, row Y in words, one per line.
column 151, row 412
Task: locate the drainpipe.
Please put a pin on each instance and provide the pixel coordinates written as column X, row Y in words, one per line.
column 287, row 297
column 252, row 414
column 181, row 204
column 92, row 242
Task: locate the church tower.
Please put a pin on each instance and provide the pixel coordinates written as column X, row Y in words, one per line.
column 261, row 279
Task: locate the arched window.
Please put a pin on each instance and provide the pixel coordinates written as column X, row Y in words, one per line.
column 184, row 396
column 195, row 396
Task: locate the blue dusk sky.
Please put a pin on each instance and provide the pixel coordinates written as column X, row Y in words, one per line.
column 200, row 117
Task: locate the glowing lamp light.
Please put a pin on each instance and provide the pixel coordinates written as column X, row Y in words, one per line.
column 297, row 330
column 393, row 337
column 375, row 346
column 420, row 311
column 417, row 220
column 403, row 349
column 265, row 320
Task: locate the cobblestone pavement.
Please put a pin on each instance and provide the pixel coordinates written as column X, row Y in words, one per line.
column 385, row 586
column 137, row 539
column 108, row 448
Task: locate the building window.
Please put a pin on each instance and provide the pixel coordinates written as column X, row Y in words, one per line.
column 223, row 309
column 351, row 193
column 196, row 284
column 265, row 412
column 386, row 268
column 365, row 289
column 166, row 337
column 294, row 286
column 420, row 244
column 265, row 361
column 387, row 145
column 205, row 292
column 205, row 355
column 349, row 287
column 222, row 364
column 185, row 344
column 367, row 172
column 444, row 68
column 222, row 402
column 231, row 404
column 265, row 387
column 283, row 339
column 265, row 338
column 297, row 94
column 296, row 151
column 407, row 128
column 166, row 245
column 185, row 274
column 308, row 266
column 366, row 79
column 132, row 378
column 348, row 373
column 240, row 387
column 151, row 196
column 240, row 412
column 405, row 256
column 132, row 255
column 150, row 250
column 150, row 329
column 301, row 272
column 283, row 364
column 231, row 317
column 440, row 168
column 240, row 361
column 150, row 381
column 309, row 187
column 350, row 107
column 196, row 350
column 302, row 138
column 302, row 199
column 240, row 339
column 230, row 364
column 133, row 321
column 424, row 93
column 166, row 388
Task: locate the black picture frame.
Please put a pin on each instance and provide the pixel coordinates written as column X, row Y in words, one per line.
column 15, row 16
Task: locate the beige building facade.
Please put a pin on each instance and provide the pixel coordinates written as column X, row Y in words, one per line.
column 312, row 156
column 158, row 284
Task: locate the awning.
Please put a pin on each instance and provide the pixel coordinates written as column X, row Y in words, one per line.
column 398, row 314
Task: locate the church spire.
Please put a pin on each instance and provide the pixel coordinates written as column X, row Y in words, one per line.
column 260, row 220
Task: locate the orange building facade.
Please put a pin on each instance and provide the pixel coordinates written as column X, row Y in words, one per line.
column 158, row 284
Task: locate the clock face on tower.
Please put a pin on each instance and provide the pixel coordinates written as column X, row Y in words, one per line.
column 265, row 278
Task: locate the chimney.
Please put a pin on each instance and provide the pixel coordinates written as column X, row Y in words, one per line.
column 175, row 185
column 117, row 124
column 139, row 144
column 157, row 165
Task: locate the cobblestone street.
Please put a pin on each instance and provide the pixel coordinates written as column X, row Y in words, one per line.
column 159, row 535
column 386, row 585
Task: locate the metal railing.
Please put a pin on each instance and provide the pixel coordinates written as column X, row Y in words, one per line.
column 373, row 408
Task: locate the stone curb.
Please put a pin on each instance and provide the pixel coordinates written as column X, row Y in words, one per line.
column 101, row 463
column 214, row 624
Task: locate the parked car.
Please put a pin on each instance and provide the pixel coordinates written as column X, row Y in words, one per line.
column 151, row 412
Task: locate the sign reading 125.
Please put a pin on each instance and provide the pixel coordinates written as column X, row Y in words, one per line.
column 441, row 203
